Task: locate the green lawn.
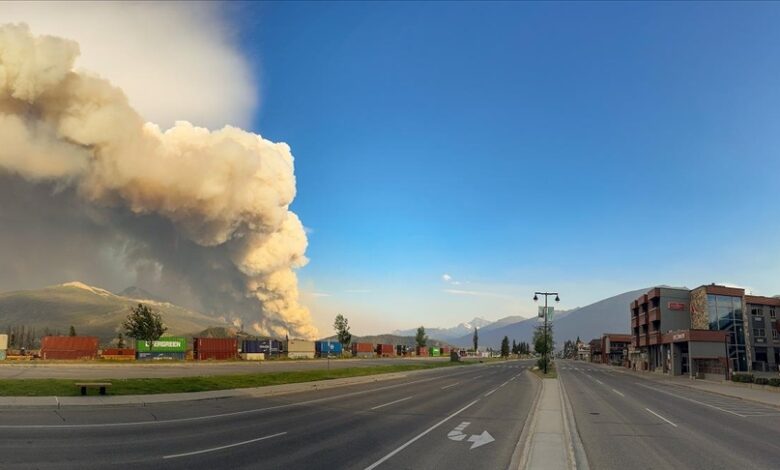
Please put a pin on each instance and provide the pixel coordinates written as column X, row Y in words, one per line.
column 66, row 387
column 551, row 372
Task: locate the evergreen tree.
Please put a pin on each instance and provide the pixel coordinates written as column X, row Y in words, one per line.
column 72, row 331
column 505, row 347
column 476, row 339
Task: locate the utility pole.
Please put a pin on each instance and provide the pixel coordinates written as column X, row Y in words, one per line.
column 557, row 299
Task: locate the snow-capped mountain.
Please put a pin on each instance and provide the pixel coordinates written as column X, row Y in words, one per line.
column 445, row 334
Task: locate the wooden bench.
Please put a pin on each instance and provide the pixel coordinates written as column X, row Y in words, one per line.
column 101, row 385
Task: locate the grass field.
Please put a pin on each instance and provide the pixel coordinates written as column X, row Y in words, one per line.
column 66, row 387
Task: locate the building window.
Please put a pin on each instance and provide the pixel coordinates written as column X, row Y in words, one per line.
column 775, row 335
column 759, row 332
column 772, row 313
column 755, row 311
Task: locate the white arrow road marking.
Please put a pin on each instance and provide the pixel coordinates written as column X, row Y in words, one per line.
column 477, row 439
column 480, row 440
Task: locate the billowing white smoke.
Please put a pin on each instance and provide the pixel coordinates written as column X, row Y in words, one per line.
column 212, row 207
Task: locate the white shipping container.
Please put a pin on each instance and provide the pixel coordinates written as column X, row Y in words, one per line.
column 300, row 354
column 253, row 356
column 3, row 341
column 300, row 346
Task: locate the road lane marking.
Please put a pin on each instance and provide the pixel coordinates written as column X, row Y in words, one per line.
column 415, row 438
column 491, row 392
column 651, row 411
column 619, row 393
column 690, row 399
column 215, row 416
column 450, row 385
column 599, row 381
column 214, row 449
column 392, row 402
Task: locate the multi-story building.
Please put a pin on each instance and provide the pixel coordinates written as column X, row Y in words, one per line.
column 711, row 329
column 614, row 348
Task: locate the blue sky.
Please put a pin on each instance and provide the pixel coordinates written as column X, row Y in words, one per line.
column 586, row 148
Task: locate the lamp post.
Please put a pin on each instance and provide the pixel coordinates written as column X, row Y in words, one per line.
column 557, row 299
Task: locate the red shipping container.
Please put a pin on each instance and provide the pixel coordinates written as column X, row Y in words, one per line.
column 215, row 348
column 385, row 350
column 422, row 351
column 69, row 347
column 362, row 347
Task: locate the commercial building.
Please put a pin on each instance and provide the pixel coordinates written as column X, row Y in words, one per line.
column 614, row 348
column 711, row 330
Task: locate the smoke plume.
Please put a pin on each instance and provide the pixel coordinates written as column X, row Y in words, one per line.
column 208, row 209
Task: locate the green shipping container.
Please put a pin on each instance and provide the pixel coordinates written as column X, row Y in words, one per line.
column 165, row 344
column 434, row 351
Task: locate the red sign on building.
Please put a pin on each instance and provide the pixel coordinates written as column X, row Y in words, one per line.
column 676, row 306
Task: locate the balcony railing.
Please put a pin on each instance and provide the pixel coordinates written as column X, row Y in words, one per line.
column 654, row 314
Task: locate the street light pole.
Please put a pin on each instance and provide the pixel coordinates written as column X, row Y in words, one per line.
column 557, row 299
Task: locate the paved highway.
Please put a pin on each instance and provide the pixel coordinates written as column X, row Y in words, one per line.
column 626, row 421
column 460, row 417
column 141, row 369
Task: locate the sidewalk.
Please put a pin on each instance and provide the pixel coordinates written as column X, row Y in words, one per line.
column 548, row 445
column 764, row 397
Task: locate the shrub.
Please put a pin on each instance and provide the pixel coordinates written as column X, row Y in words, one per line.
column 774, row 382
column 743, row 378
column 761, row 381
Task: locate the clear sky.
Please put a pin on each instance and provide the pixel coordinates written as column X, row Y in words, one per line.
column 584, row 148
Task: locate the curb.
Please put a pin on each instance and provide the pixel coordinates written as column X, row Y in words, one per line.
column 578, row 457
column 519, row 456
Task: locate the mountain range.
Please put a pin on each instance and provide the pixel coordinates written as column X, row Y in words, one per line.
column 610, row 315
column 446, row 334
column 92, row 311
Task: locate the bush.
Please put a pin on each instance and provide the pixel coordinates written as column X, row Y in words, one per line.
column 742, row 378
column 761, row 381
column 774, row 382
column 540, row 363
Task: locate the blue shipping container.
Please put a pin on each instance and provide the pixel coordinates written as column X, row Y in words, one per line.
column 323, row 348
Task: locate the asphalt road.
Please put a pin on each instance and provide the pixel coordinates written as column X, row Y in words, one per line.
column 461, row 417
column 626, row 421
column 141, row 369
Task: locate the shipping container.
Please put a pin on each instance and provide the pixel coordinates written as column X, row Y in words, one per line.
column 253, row 356
column 327, row 348
column 69, row 347
column 214, row 348
column 2, row 354
column 299, row 349
column 434, row 351
column 385, row 350
column 445, row 351
column 269, row 347
column 118, row 352
column 362, row 349
column 251, row 346
column 423, row 352
column 164, row 344
column 3, row 342
column 160, row 356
